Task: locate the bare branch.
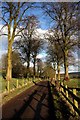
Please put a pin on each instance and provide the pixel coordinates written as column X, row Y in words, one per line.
column 4, row 20
column 3, row 34
column 23, row 14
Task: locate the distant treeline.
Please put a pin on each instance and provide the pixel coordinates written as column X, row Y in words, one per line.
column 73, row 75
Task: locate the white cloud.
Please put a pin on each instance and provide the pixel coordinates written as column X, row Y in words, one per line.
column 40, row 56
column 31, row 64
column 3, row 30
column 4, row 40
column 40, row 32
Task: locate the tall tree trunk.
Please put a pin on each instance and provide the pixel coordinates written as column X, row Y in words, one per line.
column 9, row 62
column 34, row 70
column 66, row 77
column 28, row 64
column 54, row 72
column 38, row 71
column 28, row 57
column 58, row 68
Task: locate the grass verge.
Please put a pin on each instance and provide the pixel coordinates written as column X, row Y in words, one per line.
column 7, row 96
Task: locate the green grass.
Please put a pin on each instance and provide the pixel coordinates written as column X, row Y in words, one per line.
column 13, row 83
column 73, row 83
column 12, row 94
column 7, row 96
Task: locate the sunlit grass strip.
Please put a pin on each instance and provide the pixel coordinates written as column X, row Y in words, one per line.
column 75, row 83
column 14, row 83
column 14, row 93
column 17, row 91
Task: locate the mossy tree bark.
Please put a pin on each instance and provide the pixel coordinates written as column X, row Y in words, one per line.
column 54, row 72
column 66, row 77
column 15, row 13
column 28, row 63
column 34, row 67
column 9, row 62
column 58, row 68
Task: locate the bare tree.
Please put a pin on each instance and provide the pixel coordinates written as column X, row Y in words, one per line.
column 55, row 54
column 25, row 43
column 64, row 16
column 13, row 15
column 36, row 47
column 54, row 57
column 48, row 71
column 39, row 67
column 30, row 43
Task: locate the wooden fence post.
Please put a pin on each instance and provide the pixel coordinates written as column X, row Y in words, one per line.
column 66, row 91
column 17, row 83
column 74, row 101
column 23, row 82
column 26, row 82
column 61, row 87
column 8, row 86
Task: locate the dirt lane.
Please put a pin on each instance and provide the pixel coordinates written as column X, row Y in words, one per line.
column 37, row 103
column 27, row 104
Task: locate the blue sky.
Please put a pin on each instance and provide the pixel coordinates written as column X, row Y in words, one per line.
column 44, row 24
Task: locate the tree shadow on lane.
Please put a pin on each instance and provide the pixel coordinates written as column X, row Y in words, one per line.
column 44, row 97
column 18, row 114
column 51, row 107
column 38, row 108
column 51, row 104
column 38, row 115
column 38, row 84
